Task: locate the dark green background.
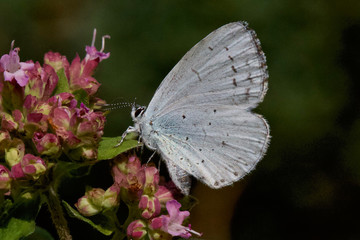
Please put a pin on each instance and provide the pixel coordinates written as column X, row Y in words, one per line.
column 308, row 185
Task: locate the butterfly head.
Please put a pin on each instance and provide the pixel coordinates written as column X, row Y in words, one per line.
column 137, row 112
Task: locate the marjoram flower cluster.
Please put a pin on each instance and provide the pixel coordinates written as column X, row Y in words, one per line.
column 46, row 114
column 154, row 212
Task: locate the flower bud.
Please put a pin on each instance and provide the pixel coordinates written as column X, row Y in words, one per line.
column 5, row 140
column 151, row 180
column 111, row 197
column 5, row 180
column 137, row 230
column 87, row 207
column 14, row 152
column 7, row 122
column 96, row 195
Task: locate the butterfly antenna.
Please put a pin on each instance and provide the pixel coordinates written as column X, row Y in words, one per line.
column 114, row 106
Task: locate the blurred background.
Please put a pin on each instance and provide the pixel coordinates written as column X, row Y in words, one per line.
column 308, row 184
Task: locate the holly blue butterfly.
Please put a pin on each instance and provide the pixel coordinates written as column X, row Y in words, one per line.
column 200, row 119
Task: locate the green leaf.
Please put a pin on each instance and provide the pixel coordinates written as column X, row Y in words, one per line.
column 63, row 84
column 104, row 226
column 20, row 218
column 108, row 150
column 81, row 96
column 39, row 234
column 16, row 229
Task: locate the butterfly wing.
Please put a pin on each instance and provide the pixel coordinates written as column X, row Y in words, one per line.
column 199, row 117
column 226, row 67
column 218, row 144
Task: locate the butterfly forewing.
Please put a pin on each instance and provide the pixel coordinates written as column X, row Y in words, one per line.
column 226, row 67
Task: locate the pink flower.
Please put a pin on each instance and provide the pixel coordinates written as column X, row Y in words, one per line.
column 92, row 53
column 137, row 230
column 151, row 180
column 80, row 72
column 5, row 179
column 164, row 195
column 13, row 68
column 150, row 205
column 42, row 81
column 129, row 174
column 63, row 99
column 7, row 122
column 46, row 143
column 80, row 76
column 62, row 121
column 30, row 166
column 172, row 223
column 57, row 61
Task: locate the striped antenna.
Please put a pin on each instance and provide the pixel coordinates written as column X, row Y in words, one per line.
column 114, row 106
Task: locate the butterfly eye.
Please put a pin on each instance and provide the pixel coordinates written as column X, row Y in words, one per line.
column 139, row 111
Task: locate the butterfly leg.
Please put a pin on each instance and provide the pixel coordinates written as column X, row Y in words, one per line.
column 128, row 131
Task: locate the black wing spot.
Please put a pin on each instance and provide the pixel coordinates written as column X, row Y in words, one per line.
column 222, row 180
column 231, row 58
column 200, row 149
column 187, row 138
column 209, row 123
column 216, row 183
column 223, row 143
column 151, row 123
column 197, row 73
column 214, row 110
column 226, row 48
column 236, row 173
column 234, row 82
column 233, row 68
column 202, row 161
column 211, row 48
column 181, row 158
column 183, row 116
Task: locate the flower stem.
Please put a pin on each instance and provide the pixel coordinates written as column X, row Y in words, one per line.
column 57, row 215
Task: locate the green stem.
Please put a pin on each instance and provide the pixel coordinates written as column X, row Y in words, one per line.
column 57, row 215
